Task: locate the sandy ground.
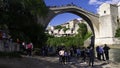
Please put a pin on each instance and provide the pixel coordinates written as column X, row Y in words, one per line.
column 50, row 62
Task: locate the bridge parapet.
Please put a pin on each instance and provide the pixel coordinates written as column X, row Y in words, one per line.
column 73, row 7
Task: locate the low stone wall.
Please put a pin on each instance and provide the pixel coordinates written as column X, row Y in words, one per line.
column 109, row 41
column 7, row 46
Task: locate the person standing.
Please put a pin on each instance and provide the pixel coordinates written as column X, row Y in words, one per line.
column 106, row 52
column 98, row 53
column 101, row 51
column 91, row 56
column 22, row 47
column 61, row 56
column 29, row 49
column 78, row 52
column 84, row 54
column 65, row 56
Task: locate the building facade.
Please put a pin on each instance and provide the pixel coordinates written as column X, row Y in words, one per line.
column 70, row 26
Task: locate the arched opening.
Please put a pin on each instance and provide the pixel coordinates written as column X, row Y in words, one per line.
column 79, row 15
column 62, row 18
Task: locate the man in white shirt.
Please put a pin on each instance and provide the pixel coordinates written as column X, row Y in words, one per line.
column 61, row 55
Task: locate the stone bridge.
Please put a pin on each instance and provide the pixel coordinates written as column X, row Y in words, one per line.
column 93, row 20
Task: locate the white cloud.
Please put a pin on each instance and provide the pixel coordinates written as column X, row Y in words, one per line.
column 97, row 10
column 98, row 2
column 92, row 1
column 95, row 2
column 113, row 1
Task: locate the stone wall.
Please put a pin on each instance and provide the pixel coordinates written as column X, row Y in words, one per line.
column 108, row 14
column 7, row 46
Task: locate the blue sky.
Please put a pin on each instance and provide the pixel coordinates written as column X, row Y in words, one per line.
column 89, row 5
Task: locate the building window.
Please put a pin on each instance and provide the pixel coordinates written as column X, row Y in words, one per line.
column 104, row 12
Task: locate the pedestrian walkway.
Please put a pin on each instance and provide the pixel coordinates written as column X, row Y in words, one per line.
column 49, row 62
column 76, row 63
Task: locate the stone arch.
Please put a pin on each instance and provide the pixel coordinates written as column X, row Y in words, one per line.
column 90, row 18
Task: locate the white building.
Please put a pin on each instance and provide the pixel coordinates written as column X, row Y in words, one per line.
column 71, row 25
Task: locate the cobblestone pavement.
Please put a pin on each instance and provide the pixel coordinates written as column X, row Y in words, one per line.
column 50, row 62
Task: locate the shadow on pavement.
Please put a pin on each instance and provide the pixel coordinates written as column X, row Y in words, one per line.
column 40, row 62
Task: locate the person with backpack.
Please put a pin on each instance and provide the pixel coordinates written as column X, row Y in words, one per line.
column 29, row 49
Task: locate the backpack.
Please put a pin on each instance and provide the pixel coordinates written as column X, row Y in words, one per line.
column 29, row 46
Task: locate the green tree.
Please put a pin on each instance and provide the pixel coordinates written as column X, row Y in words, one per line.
column 59, row 27
column 20, row 16
column 82, row 31
column 117, row 34
column 77, row 40
column 65, row 29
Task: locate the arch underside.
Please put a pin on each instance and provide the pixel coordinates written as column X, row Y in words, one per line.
column 91, row 19
column 76, row 12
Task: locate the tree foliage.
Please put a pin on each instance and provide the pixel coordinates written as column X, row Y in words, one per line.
column 67, row 41
column 117, row 34
column 77, row 40
column 82, row 30
column 65, row 29
column 20, row 16
column 59, row 27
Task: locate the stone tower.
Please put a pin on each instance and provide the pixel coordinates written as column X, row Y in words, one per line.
column 108, row 14
column 119, row 14
column 119, row 10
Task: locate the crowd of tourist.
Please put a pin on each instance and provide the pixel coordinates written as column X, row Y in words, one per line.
column 86, row 54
